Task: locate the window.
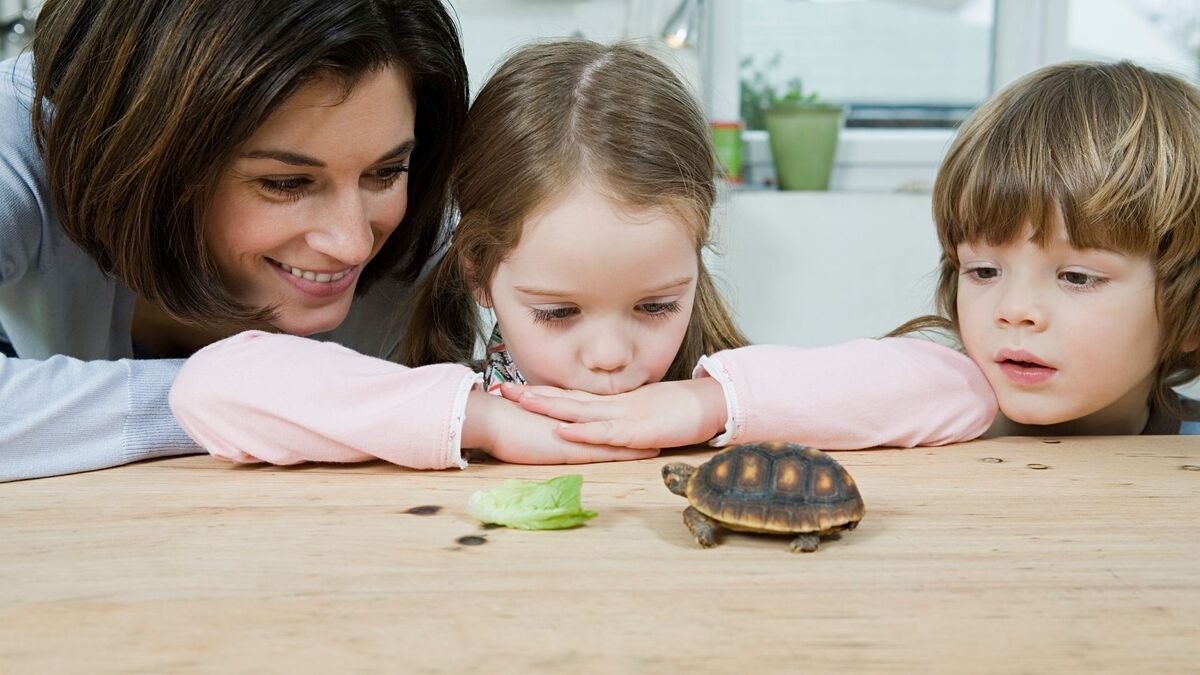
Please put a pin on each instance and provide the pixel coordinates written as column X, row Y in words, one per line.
column 892, row 63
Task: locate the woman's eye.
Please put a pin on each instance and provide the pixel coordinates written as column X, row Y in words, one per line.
column 659, row 308
column 983, row 273
column 1081, row 279
column 387, row 176
column 553, row 315
column 292, row 187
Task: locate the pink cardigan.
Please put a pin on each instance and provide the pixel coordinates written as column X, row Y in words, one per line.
column 260, row 397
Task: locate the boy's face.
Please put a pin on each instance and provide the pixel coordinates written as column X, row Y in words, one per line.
column 596, row 298
column 1062, row 334
column 312, row 196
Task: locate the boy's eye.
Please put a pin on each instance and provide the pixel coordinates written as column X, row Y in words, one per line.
column 1081, row 279
column 552, row 315
column 982, row 273
column 659, row 308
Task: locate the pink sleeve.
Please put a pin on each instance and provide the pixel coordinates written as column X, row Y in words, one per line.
column 259, row 397
column 860, row 394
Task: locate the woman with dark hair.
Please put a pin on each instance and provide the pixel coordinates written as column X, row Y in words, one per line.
column 174, row 171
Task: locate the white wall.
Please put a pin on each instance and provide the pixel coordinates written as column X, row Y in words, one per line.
column 815, row 268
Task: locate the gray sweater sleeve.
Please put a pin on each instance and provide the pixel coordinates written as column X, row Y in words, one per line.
column 63, row 415
column 60, row 414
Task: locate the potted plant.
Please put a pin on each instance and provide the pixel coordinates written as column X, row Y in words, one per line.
column 803, row 129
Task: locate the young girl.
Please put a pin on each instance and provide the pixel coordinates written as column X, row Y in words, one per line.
column 585, row 187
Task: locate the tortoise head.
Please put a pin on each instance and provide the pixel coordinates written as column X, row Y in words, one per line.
column 676, row 475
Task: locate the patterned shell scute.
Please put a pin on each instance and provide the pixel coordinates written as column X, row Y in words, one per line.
column 776, row 487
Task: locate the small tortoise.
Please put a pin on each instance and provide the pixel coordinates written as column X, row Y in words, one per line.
column 777, row 488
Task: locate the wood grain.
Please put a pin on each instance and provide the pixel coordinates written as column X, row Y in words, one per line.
column 1071, row 555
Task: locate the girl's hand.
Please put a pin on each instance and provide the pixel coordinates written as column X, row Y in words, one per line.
column 510, row 434
column 658, row 415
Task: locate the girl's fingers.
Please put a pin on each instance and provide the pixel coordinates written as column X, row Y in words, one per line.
column 589, row 455
column 565, row 409
column 601, row 432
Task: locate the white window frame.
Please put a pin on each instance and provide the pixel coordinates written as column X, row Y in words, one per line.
column 1027, row 34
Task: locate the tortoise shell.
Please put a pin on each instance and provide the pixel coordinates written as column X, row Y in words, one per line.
column 776, row 487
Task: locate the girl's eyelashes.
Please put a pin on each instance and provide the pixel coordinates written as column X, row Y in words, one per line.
column 559, row 315
column 659, row 308
column 553, row 315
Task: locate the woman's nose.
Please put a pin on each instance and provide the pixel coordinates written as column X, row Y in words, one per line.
column 345, row 232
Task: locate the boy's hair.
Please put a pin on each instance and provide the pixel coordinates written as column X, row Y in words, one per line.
column 552, row 114
column 148, row 102
column 1112, row 147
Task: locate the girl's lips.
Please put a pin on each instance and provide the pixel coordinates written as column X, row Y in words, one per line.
column 319, row 289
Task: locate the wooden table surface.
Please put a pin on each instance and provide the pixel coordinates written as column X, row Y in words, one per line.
column 1011, row 555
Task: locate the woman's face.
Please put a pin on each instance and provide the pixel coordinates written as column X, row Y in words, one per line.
column 312, row 196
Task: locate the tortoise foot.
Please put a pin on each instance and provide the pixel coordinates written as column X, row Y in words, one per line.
column 805, row 543
column 703, row 528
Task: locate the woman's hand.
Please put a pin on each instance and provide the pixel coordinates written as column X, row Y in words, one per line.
column 658, row 415
column 511, row 434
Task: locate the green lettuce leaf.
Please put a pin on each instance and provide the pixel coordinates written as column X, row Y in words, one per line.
column 532, row 505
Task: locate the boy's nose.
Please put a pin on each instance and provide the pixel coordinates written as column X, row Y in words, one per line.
column 1020, row 306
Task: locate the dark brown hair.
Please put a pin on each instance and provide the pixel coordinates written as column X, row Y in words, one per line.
column 552, row 114
column 1111, row 147
column 149, row 100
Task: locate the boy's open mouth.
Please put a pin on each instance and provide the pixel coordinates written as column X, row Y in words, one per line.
column 1024, row 368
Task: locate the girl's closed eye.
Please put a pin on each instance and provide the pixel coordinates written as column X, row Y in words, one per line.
column 552, row 315
column 659, row 309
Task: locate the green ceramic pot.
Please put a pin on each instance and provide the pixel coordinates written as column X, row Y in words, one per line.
column 803, row 140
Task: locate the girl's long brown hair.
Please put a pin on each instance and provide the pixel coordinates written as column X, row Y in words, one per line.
column 1111, row 147
column 552, row 114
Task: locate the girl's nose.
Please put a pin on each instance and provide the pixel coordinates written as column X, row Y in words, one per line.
column 608, row 351
column 344, row 232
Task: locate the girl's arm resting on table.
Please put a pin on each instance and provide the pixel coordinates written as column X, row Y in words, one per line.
column 860, row 394
column 260, row 397
column 63, row 415
column 864, row 393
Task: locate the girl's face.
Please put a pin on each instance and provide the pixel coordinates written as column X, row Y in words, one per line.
column 1063, row 335
column 312, row 196
column 596, row 298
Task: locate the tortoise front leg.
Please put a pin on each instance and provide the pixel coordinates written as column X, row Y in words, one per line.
column 805, row 543
column 703, row 528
